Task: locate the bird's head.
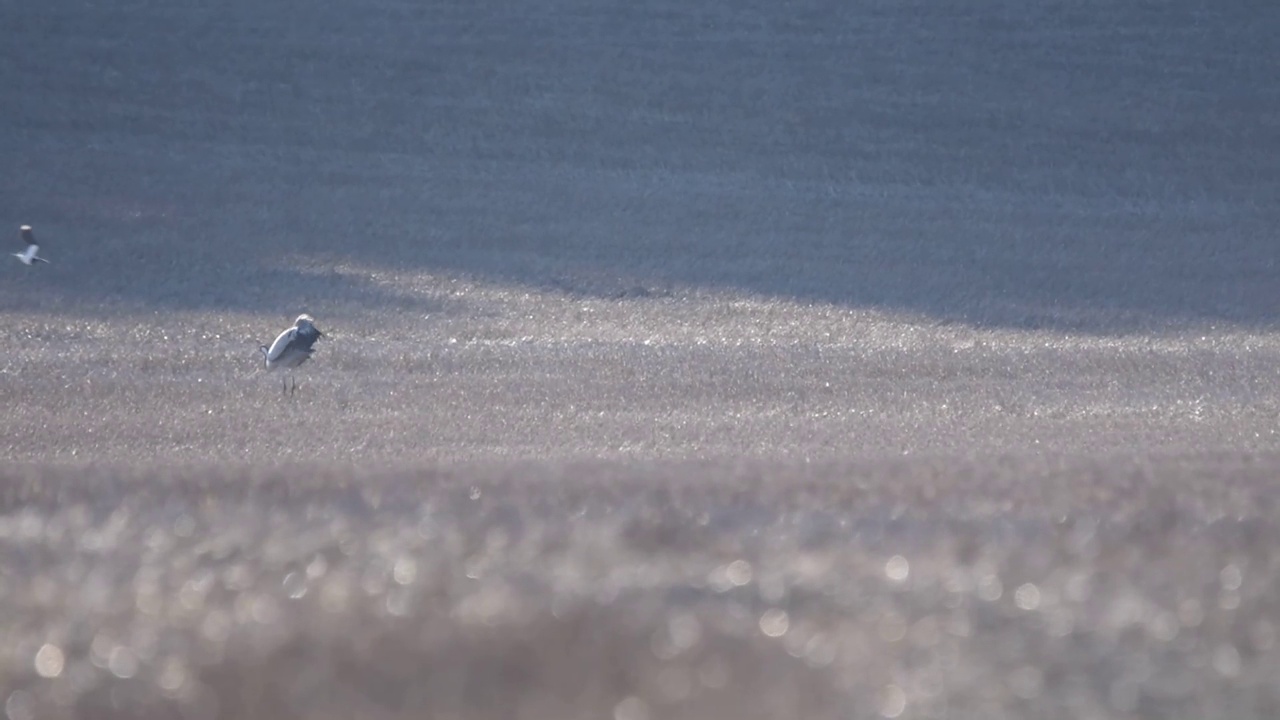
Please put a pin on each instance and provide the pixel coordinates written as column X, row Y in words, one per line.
column 306, row 323
column 27, row 234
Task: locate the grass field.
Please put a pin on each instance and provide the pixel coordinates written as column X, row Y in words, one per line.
column 1116, row 587
column 748, row 360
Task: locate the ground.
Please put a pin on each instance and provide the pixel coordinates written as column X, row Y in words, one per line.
column 729, row 360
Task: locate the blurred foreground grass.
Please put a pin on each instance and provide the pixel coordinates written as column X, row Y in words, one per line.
column 932, row 587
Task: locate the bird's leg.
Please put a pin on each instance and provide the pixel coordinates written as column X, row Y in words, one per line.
column 284, row 384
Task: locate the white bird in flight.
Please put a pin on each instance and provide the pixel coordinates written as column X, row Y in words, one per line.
column 29, row 257
column 291, row 348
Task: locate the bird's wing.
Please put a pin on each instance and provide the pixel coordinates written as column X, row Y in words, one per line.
column 308, row 334
column 282, row 342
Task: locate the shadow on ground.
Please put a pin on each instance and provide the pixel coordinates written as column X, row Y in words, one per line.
column 1096, row 167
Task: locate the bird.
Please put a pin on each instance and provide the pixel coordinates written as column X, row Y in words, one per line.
column 29, row 257
column 291, row 348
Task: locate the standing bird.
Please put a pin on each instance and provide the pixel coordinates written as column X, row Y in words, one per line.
column 291, row 348
column 29, row 257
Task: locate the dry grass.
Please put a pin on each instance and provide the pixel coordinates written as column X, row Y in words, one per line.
column 750, row 360
column 1050, row 588
column 537, row 375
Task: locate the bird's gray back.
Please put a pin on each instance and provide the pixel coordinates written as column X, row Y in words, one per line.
column 292, row 347
column 306, row 334
column 292, row 357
